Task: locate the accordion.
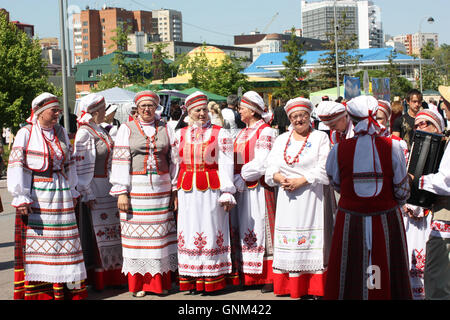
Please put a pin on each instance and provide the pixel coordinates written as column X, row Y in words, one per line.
column 424, row 158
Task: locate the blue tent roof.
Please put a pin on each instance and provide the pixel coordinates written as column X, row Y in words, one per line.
column 267, row 60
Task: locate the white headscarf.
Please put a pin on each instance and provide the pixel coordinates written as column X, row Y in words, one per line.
column 37, row 151
column 89, row 104
column 255, row 102
column 363, row 109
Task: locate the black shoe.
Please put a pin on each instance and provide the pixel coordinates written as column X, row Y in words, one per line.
column 267, row 288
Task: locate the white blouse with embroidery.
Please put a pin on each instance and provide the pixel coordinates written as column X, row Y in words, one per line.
column 120, row 169
column 20, row 178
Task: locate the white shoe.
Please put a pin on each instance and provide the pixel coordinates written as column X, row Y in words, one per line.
column 139, row 294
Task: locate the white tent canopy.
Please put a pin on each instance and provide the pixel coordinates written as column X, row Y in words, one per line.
column 118, row 96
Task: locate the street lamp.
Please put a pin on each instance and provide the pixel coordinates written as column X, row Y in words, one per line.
column 429, row 20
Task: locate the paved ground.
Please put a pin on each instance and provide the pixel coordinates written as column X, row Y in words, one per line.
column 7, row 263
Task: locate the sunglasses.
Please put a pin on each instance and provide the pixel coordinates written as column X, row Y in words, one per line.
column 422, row 124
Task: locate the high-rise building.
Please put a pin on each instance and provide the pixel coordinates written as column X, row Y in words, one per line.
column 94, row 30
column 363, row 16
column 414, row 42
column 169, row 24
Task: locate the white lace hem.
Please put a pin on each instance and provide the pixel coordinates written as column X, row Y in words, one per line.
column 69, row 278
column 296, row 266
column 152, row 266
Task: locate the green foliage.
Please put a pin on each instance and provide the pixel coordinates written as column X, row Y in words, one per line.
column 294, row 81
column 435, row 74
column 223, row 79
column 347, row 62
column 125, row 72
column 158, row 67
column 23, row 74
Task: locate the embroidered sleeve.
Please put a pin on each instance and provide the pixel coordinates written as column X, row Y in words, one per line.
column 71, row 168
column 18, row 176
column 85, row 163
column 256, row 168
column 121, row 161
column 274, row 159
column 174, row 157
column 226, row 162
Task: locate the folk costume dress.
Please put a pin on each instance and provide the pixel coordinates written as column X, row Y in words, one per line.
column 205, row 180
column 304, row 217
column 144, row 167
column 48, row 255
column 253, row 218
column 99, row 226
column 368, row 258
column 417, row 230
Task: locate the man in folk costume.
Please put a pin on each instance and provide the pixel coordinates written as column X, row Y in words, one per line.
column 42, row 178
column 253, row 218
column 368, row 258
column 416, row 219
column 437, row 267
column 99, row 221
column 304, row 215
column 144, row 173
column 334, row 115
column 205, row 196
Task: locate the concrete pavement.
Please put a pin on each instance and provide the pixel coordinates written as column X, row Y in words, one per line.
column 7, row 263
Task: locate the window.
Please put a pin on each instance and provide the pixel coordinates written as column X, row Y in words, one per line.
column 99, row 73
column 85, row 30
column 90, row 73
column 85, row 23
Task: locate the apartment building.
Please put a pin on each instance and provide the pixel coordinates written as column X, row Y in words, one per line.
column 94, row 30
column 414, row 42
column 363, row 15
column 169, row 24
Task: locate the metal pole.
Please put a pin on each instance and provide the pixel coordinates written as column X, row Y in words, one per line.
column 336, row 52
column 68, row 55
column 63, row 64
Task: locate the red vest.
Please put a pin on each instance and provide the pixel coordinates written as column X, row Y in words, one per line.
column 201, row 159
column 349, row 200
column 245, row 152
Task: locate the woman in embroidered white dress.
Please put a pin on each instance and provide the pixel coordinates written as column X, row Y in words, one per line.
column 304, row 218
column 253, row 217
column 42, row 178
column 205, row 196
column 143, row 176
column 99, row 217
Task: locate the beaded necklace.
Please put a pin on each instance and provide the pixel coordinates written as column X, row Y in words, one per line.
column 301, row 149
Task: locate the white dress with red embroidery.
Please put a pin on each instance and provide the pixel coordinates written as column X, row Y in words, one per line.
column 250, row 224
column 148, row 231
column 205, row 179
column 104, row 216
column 304, row 219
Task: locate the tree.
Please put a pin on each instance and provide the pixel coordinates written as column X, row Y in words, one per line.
column 158, row 66
column 222, row 78
column 23, row 74
column 293, row 83
column 124, row 71
column 346, row 40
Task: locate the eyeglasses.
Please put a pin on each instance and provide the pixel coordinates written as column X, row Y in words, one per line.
column 422, row 124
column 147, row 106
column 299, row 116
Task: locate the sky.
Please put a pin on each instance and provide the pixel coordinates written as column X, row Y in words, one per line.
column 217, row 21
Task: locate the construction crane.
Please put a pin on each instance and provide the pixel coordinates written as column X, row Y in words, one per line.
column 271, row 21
